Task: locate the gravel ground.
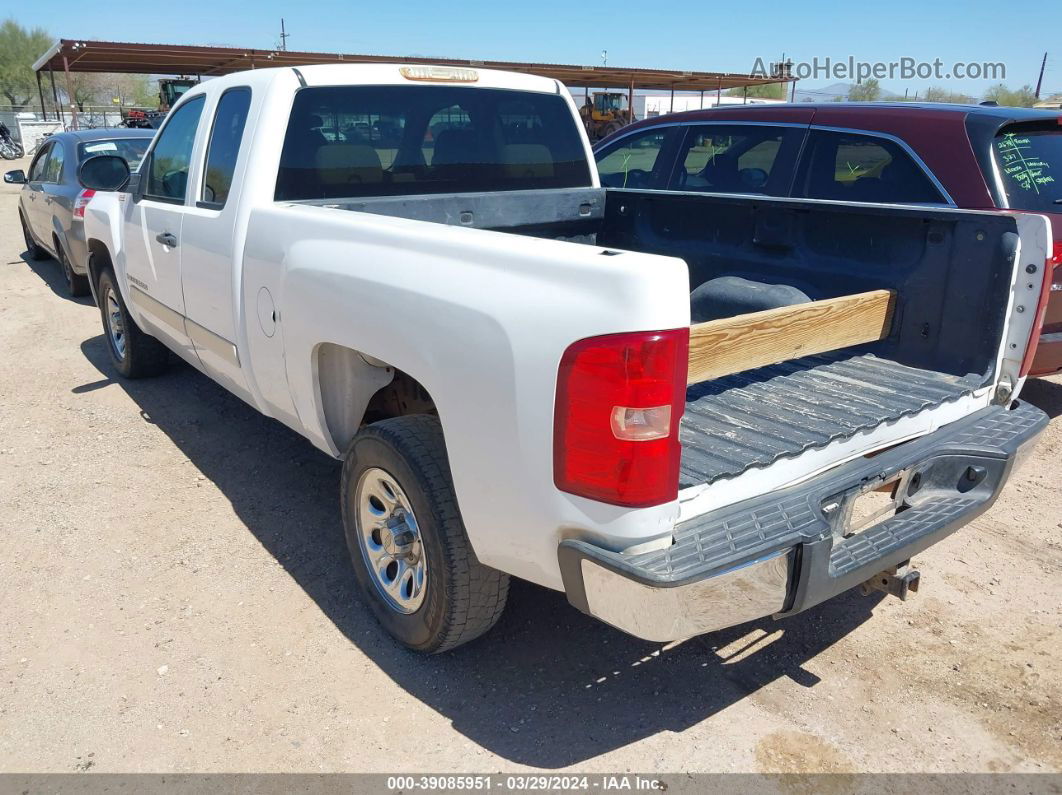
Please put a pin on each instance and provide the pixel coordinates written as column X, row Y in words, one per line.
column 177, row 597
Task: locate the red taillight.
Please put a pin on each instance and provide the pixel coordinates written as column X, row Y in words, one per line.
column 81, row 202
column 1057, row 259
column 619, row 401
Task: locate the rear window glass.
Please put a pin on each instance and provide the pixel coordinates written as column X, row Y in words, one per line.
column 1029, row 158
column 861, row 168
column 130, row 149
column 351, row 141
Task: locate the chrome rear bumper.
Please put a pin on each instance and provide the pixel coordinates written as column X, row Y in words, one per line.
column 744, row 593
column 782, row 553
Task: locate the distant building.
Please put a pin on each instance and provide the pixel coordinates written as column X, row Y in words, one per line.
column 1054, row 101
column 646, row 106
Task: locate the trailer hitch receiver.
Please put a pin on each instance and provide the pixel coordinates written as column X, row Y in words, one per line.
column 901, row 581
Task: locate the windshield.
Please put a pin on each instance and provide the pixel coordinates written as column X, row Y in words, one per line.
column 607, row 102
column 1029, row 157
column 353, row 141
column 130, row 149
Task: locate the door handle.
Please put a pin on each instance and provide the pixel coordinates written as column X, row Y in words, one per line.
column 167, row 239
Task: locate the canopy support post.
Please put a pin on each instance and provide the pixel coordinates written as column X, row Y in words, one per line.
column 40, row 93
column 70, row 93
column 55, row 98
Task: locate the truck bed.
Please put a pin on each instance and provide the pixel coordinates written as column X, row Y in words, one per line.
column 755, row 418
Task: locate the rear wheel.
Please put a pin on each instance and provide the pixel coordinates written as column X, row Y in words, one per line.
column 35, row 252
column 411, row 555
column 134, row 353
column 76, row 284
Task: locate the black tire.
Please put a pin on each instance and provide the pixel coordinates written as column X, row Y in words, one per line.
column 35, row 252
column 77, row 285
column 463, row 598
column 133, row 353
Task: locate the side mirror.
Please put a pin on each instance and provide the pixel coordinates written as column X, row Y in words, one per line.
column 104, row 172
column 16, row 177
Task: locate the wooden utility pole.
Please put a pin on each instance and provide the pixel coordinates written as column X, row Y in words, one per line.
column 283, row 35
column 1040, row 79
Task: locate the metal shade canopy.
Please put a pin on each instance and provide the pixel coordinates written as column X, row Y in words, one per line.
column 113, row 56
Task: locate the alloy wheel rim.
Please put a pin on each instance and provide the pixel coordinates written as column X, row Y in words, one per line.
column 390, row 541
column 115, row 324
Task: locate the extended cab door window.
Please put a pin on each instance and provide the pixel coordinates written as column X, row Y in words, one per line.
column 171, row 158
column 224, row 146
column 844, row 166
column 635, row 160
column 737, row 158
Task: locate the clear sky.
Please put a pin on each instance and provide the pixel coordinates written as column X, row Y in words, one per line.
column 682, row 34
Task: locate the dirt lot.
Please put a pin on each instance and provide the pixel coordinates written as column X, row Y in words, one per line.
column 177, row 597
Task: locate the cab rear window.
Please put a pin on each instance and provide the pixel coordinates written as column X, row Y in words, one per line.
column 356, row 141
column 1029, row 159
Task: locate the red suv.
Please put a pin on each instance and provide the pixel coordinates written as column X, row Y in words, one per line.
column 966, row 156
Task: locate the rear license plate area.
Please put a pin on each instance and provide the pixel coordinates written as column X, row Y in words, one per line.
column 867, row 506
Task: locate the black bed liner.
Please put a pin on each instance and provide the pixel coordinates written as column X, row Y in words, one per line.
column 755, row 418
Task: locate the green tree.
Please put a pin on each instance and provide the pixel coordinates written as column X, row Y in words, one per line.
column 100, row 88
column 764, row 91
column 867, row 91
column 938, row 94
column 1021, row 98
column 19, row 48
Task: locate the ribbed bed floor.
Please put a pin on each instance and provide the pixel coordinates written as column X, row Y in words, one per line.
column 755, row 418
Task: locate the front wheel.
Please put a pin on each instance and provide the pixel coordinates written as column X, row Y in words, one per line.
column 133, row 353
column 411, row 555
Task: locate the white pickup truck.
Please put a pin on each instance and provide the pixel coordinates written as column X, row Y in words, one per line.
column 416, row 268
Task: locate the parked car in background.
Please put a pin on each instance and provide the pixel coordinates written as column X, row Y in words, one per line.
column 966, row 156
column 52, row 205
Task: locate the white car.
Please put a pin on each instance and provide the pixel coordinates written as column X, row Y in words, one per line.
column 416, row 268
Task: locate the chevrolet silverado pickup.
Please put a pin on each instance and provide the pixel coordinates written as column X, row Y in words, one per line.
column 417, row 269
